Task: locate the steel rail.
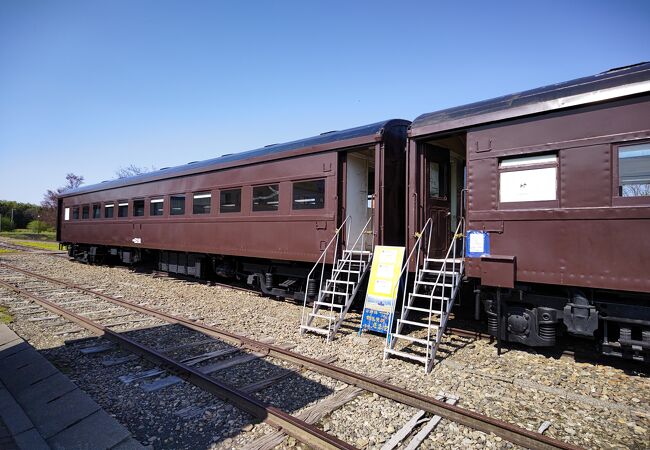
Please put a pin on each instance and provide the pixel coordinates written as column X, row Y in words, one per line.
column 304, row 432
column 472, row 419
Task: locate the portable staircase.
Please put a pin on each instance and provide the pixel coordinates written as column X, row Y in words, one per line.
column 436, row 284
column 335, row 295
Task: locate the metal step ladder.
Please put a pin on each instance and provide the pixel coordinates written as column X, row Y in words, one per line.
column 435, row 288
column 337, row 292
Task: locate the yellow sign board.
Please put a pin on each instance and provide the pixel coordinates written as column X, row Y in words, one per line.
column 382, row 288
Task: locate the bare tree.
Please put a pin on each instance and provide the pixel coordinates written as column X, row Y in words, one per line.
column 49, row 203
column 132, row 170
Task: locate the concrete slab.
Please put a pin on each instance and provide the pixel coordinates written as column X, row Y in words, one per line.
column 50, row 418
column 7, row 335
column 9, row 348
column 46, row 390
column 40, row 408
column 31, row 440
column 12, row 414
column 19, row 371
column 99, row 430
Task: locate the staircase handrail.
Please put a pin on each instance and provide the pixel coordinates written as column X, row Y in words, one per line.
column 322, row 257
column 405, row 268
column 443, row 273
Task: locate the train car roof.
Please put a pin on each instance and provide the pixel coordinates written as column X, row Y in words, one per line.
column 327, row 141
column 612, row 84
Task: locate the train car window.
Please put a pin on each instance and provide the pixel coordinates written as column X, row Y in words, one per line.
column 634, row 170
column 528, row 178
column 201, row 203
column 66, row 214
column 122, row 208
column 309, row 194
column 156, row 207
column 138, row 207
column 108, row 210
column 85, row 212
column 434, row 179
column 266, row 198
column 177, row 205
column 230, row 201
column 75, row 213
column 97, row 209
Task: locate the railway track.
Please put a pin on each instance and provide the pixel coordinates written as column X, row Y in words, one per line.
column 109, row 316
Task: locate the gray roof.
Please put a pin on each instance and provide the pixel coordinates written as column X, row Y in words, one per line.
column 614, row 83
column 274, row 151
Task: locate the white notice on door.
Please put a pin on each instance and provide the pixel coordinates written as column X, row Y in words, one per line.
column 477, row 243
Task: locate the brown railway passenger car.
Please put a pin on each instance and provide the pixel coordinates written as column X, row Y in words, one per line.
column 558, row 178
column 264, row 215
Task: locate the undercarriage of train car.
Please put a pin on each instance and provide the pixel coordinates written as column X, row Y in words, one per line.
column 274, row 278
column 537, row 316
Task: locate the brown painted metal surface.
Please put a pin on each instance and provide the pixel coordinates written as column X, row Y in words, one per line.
column 285, row 234
column 588, row 236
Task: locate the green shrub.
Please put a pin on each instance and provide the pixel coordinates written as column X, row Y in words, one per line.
column 38, row 226
column 6, row 224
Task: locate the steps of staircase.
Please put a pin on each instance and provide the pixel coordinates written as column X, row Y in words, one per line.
column 412, row 339
column 344, row 294
column 433, row 326
column 433, row 283
column 323, row 316
column 426, row 310
column 332, row 305
column 357, row 252
column 346, row 271
column 441, row 260
column 341, row 282
column 422, row 359
column 435, row 297
column 315, row 329
column 437, row 271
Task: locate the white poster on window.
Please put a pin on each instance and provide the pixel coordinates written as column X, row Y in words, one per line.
column 528, row 185
column 66, row 214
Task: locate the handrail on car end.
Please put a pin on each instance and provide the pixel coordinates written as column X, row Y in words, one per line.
column 322, row 255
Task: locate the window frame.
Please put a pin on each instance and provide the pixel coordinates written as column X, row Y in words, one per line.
column 85, row 211
column 532, row 204
column 76, row 213
column 308, row 180
column 96, row 207
column 201, row 195
column 618, row 200
column 276, row 209
column 111, row 206
column 239, row 209
column 121, row 204
column 171, row 197
column 144, row 207
column 156, row 201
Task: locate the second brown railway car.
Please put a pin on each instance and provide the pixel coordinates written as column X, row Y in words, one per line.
column 559, row 179
column 264, row 215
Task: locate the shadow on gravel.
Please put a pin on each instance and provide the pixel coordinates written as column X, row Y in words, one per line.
column 162, row 409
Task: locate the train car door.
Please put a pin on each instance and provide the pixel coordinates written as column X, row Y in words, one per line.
column 436, row 190
column 359, row 194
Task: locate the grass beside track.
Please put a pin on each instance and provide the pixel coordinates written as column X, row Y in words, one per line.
column 30, row 235
column 5, row 317
column 39, row 244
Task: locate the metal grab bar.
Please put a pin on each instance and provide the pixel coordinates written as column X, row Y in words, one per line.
column 443, row 273
column 322, row 257
column 405, row 268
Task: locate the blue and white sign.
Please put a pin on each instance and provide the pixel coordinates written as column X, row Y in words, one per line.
column 477, row 244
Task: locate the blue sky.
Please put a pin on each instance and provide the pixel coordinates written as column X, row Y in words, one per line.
column 89, row 86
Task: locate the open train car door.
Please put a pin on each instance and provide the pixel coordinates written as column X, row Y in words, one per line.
column 436, row 179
